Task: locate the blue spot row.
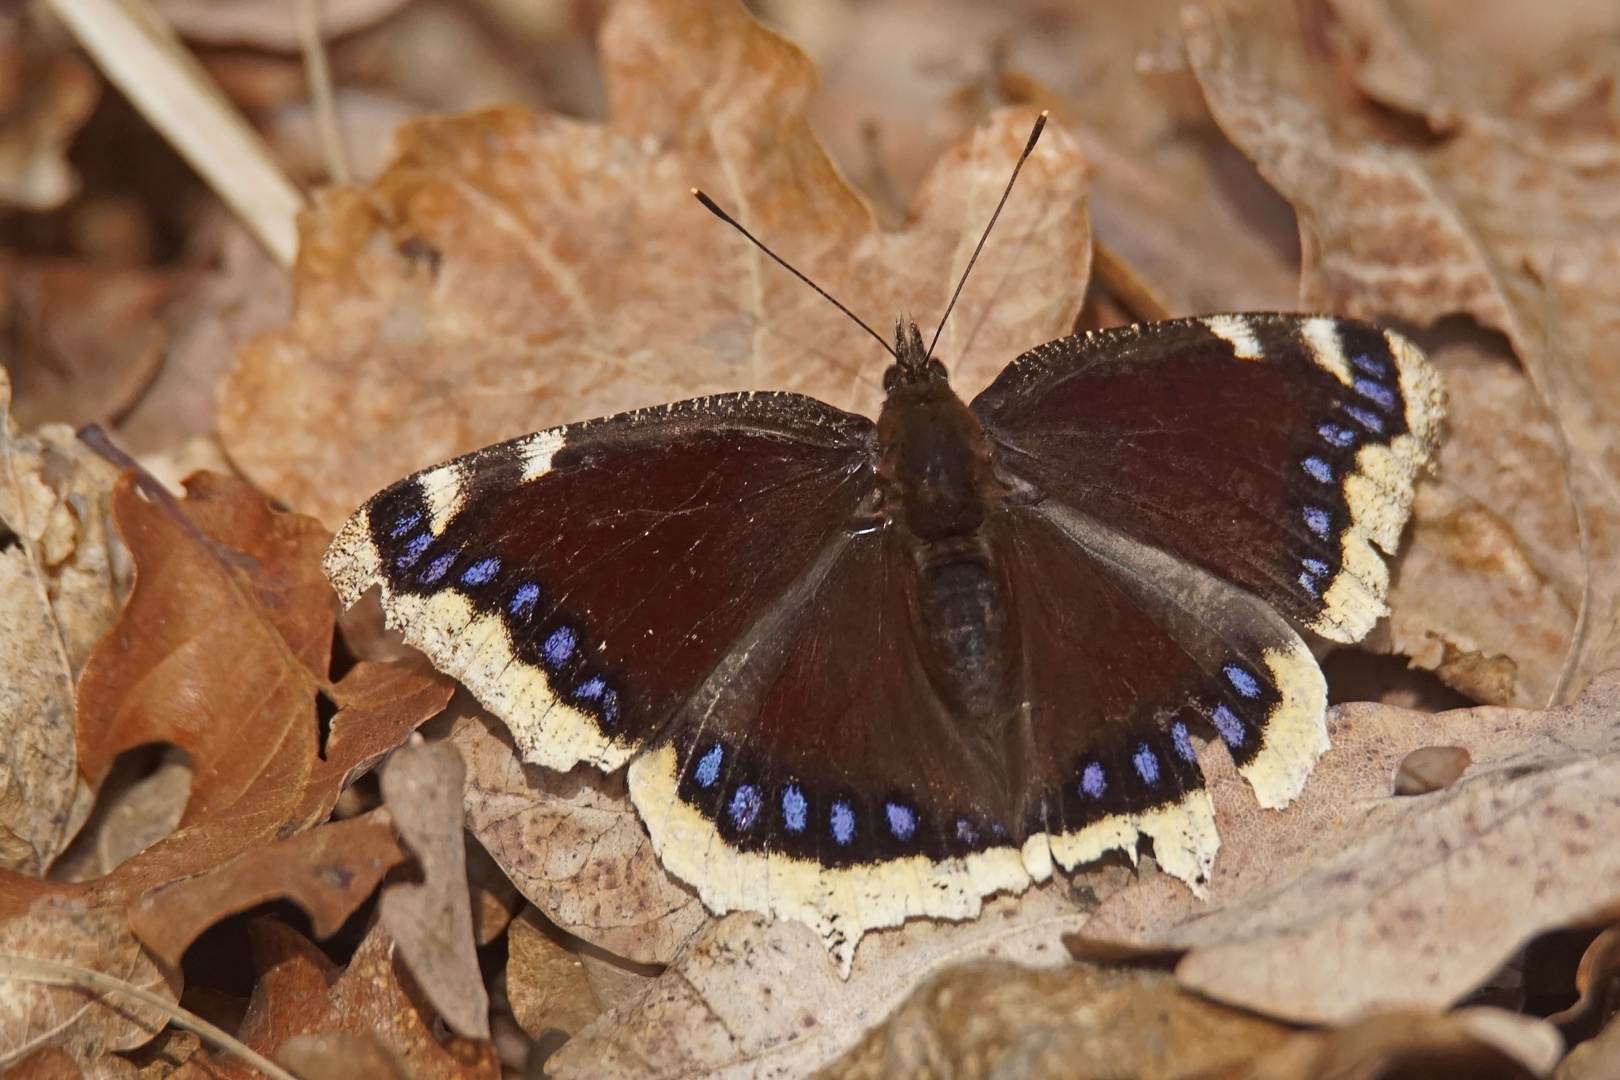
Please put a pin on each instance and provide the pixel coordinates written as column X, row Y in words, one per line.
column 1147, row 765
column 413, row 551
column 794, row 809
column 1318, row 521
column 708, row 767
column 1242, row 681
column 1369, row 420
column 1183, row 744
column 1377, row 393
column 1319, row 470
column 437, row 568
column 524, row 600
column 1092, row 781
column 745, row 803
column 1336, row 435
column 965, row 831
column 480, row 572
column 1227, row 723
column 842, row 820
column 405, row 524
column 559, row 647
column 902, row 821
column 1310, row 577
column 1375, row 368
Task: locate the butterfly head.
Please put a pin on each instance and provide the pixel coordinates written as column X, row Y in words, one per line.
column 912, row 365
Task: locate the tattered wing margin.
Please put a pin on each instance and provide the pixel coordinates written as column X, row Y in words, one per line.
column 841, row 905
column 1379, row 497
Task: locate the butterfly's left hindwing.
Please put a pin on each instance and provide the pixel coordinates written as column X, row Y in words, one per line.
column 581, row 582
column 1275, row 451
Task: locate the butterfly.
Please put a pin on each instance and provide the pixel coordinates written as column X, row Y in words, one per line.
column 866, row 671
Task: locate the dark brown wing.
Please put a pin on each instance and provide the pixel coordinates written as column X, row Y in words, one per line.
column 583, row 581
column 1270, row 450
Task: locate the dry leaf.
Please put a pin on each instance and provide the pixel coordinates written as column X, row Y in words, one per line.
column 1169, row 196
column 46, row 1063
column 58, row 593
column 1430, row 768
column 339, row 1057
column 759, row 998
column 545, row 982
column 1394, row 1044
column 329, row 872
column 138, row 804
column 88, row 1024
column 1595, row 1059
column 46, row 95
column 575, row 848
column 981, row 1021
column 85, row 342
column 1355, row 898
column 1510, row 219
column 431, row 922
column 300, row 992
column 510, row 271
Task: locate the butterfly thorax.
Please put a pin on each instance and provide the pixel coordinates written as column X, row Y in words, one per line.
column 939, row 487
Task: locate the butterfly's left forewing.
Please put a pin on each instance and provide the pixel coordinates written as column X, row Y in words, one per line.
column 582, row 582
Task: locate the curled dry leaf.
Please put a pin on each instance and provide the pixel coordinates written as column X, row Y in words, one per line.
column 300, row 992
column 46, row 95
column 222, row 574
column 1354, row 898
column 511, row 271
column 46, row 1063
column 1510, row 219
column 58, row 595
column 89, row 1024
column 1597, row 976
column 1080, row 1022
column 431, row 922
column 575, row 848
column 339, row 1057
column 1419, row 1044
column 758, row 998
column 328, row 872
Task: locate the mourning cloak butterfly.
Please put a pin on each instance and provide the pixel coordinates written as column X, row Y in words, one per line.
column 862, row 672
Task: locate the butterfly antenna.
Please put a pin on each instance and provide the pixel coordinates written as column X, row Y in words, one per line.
column 1029, row 148
column 709, row 204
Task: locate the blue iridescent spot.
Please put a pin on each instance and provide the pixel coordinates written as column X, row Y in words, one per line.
column 708, row 767
column 1227, row 723
column 1377, row 393
column 1308, row 583
column 1147, row 765
column 610, row 708
column 1092, row 781
column 965, row 831
column 1183, row 744
column 1336, row 435
column 793, row 808
column 1317, row 520
column 1242, row 681
column 902, row 821
column 405, row 524
column 744, row 807
column 1372, row 367
column 1316, row 566
column 413, row 551
column 1320, row 470
column 1371, row 421
column 480, row 572
column 998, row 830
column 437, row 568
column 559, row 647
column 523, row 601
column 842, row 820
column 590, row 689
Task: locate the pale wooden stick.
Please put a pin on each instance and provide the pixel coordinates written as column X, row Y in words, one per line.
column 51, row 973
column 322, row 103
column 136, row 49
